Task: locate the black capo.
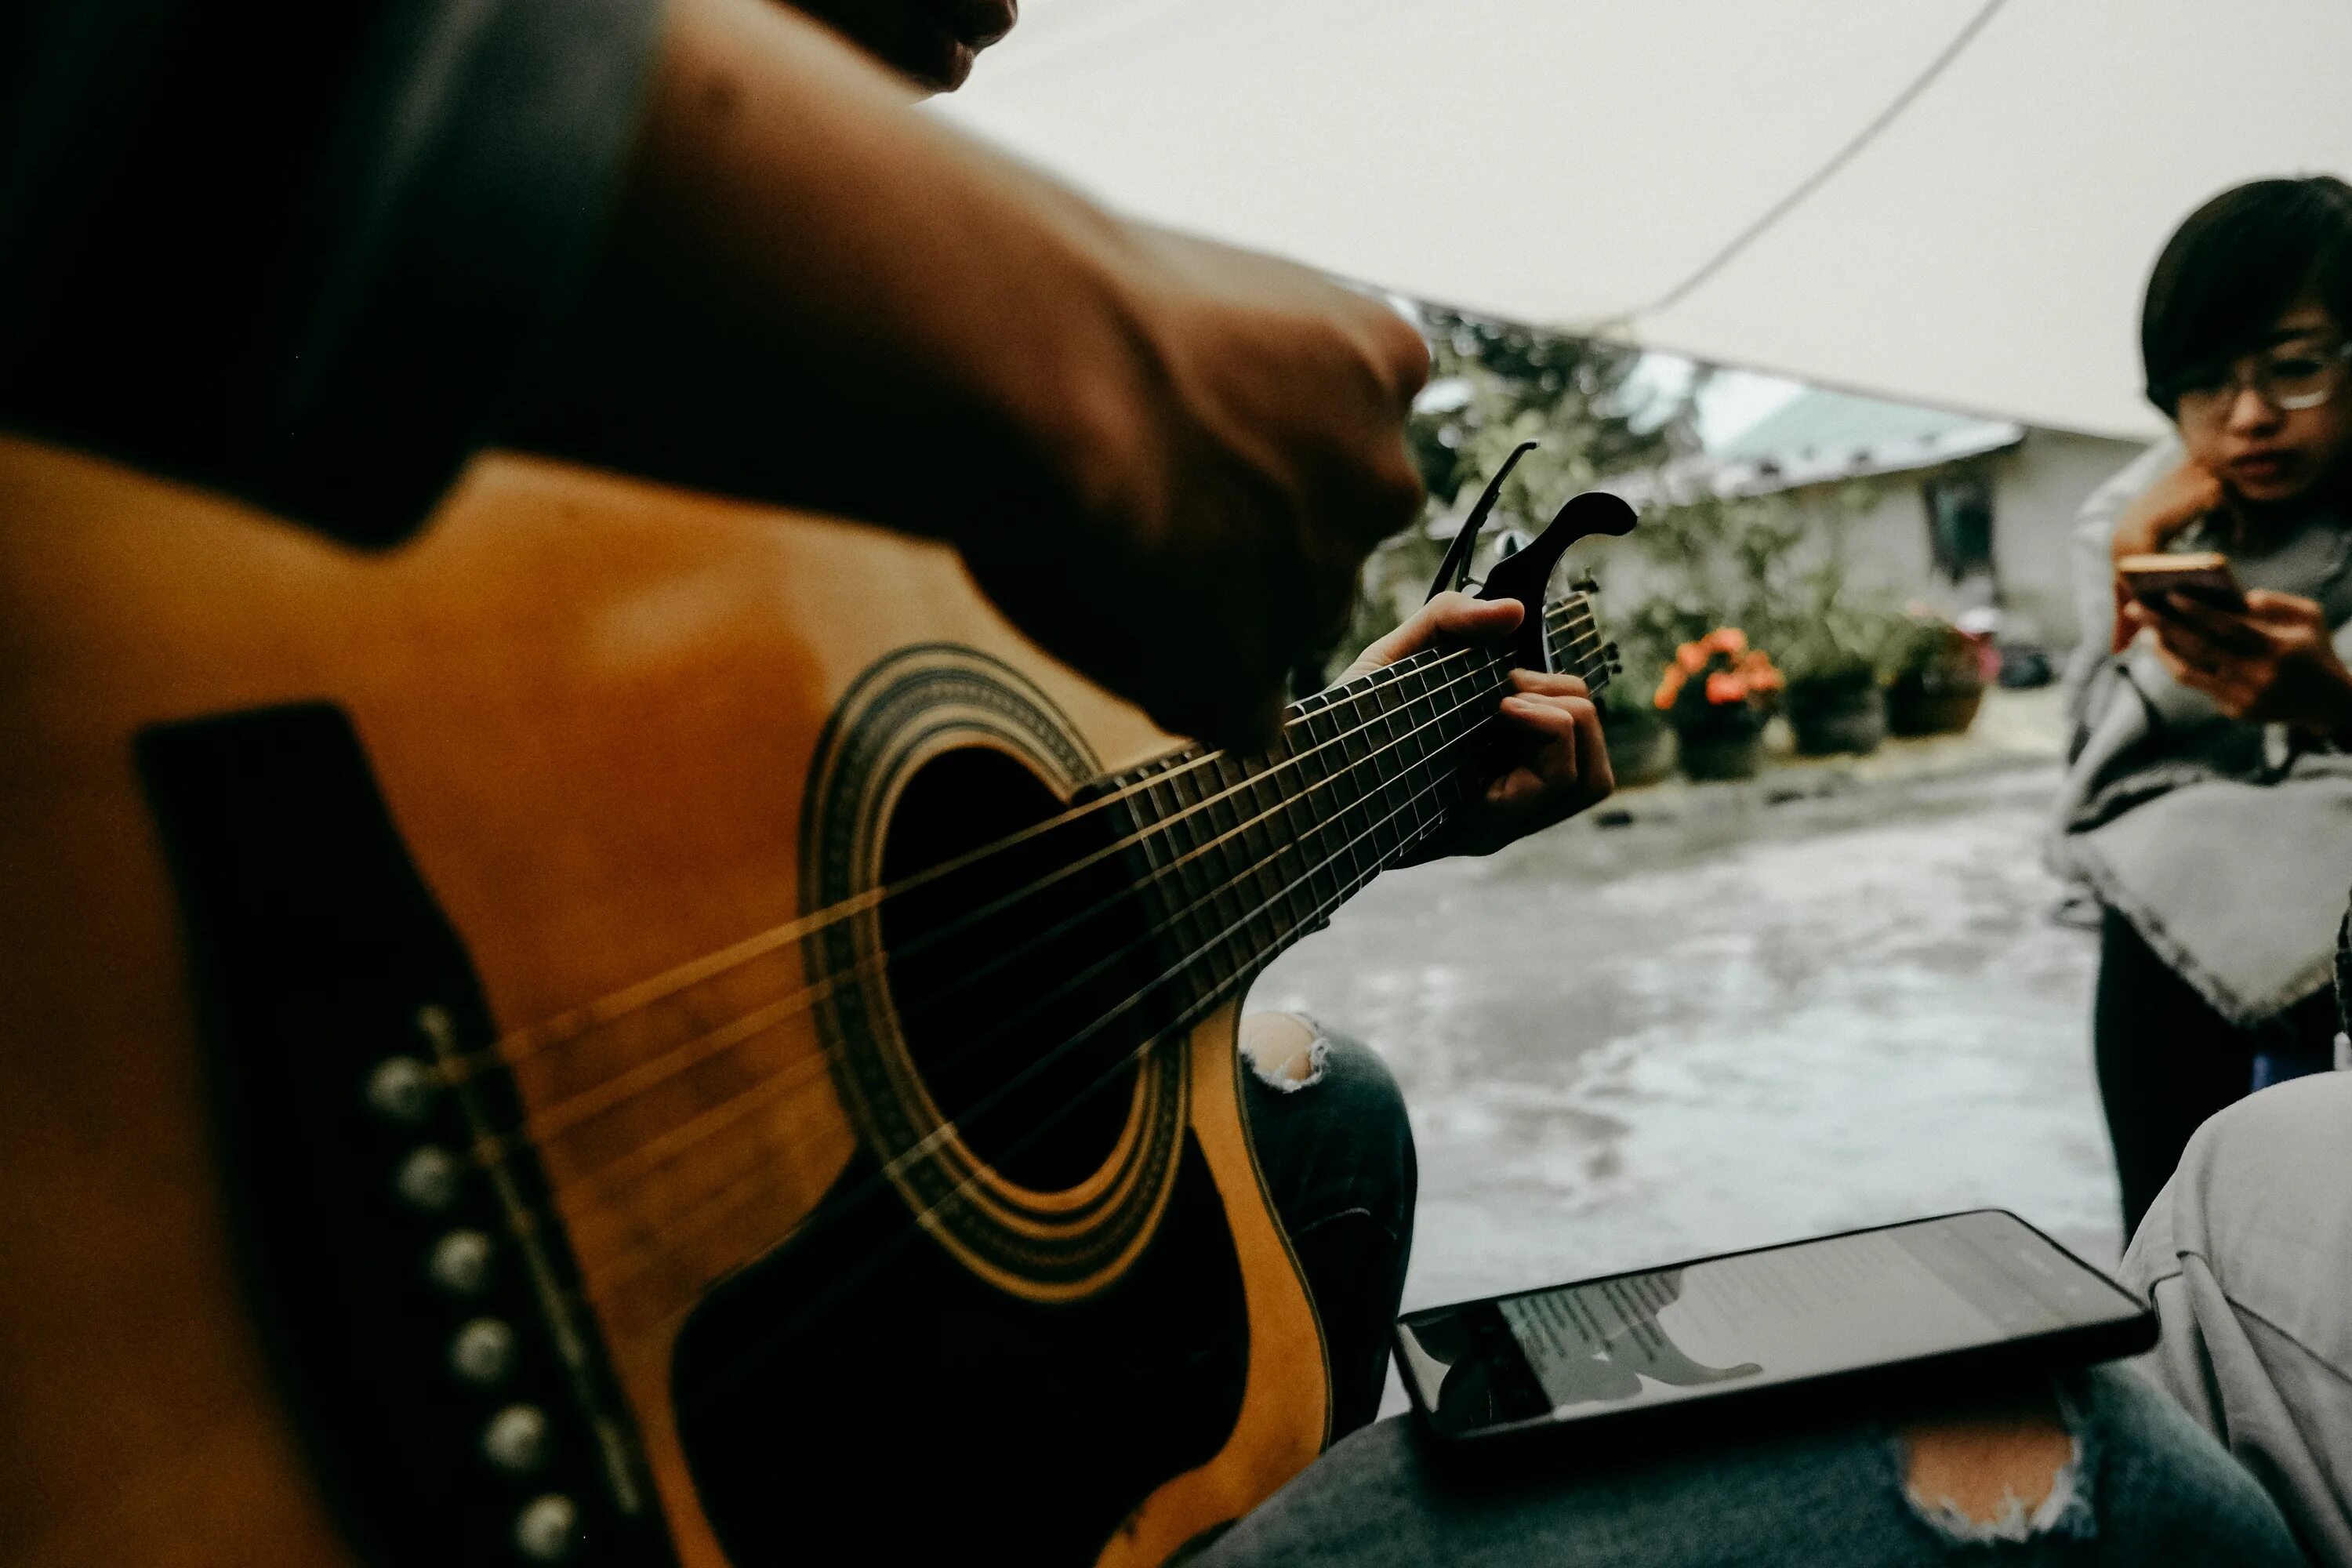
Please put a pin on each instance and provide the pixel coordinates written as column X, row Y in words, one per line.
column 1523, row 574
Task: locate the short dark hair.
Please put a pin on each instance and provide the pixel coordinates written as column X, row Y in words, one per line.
column 2234, row 265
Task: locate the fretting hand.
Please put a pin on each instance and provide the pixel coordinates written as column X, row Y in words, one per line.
column 1562, row 763
column 2272, row 662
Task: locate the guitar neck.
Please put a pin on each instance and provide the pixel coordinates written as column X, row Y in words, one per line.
column 1246, row 856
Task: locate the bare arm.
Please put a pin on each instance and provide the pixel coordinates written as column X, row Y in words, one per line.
column 1143, row 446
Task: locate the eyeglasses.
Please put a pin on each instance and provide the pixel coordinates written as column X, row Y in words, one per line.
column 2285, row 379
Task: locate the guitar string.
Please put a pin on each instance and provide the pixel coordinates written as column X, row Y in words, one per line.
column 775, row 1335
column 720, row 1116
column 574, row 1023
column 523, row 1044
column 641, row 1076
column 549, row 1120
column 645, row 1073
column 727, row 1199
column 581, row 1021
column 713, row 1119
column 1578, row 651
column 601, row 1285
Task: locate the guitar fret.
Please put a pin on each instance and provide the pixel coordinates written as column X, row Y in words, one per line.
column 1229, row 817
column 1302, row 751
column 1195, row 830
column 1276, row 799
column 1261, row 807
column 1248, row 844
column 1153, row 805
column 1204, row 920
column 1251, row 856
column 1576, row 643
column 1364, row 786
column 1194, row 880
column 1358, row 787
column 1438, row 757
column 1407, row 699
column 1344, row 763
column 1339, row 787
column 1402, row 746
column 1316, row 805
column 1291, row 825
column 1411, row 753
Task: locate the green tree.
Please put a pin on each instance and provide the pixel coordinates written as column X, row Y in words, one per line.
column 1773, row 565
column 1494, row 385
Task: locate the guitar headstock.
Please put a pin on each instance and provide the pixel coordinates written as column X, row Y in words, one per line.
column 1524, row 576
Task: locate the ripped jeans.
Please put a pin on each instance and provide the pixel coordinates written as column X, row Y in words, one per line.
column 2147, row 1485
column 1336, row 1154
column 2149, row 1489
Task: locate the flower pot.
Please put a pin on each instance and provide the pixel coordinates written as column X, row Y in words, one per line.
column 1723, row 753
column 1932, row 709
column 1829, row 720
column 1641, row 745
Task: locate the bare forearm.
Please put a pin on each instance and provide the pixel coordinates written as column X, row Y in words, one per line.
column 816, row 297
column 1139, row 443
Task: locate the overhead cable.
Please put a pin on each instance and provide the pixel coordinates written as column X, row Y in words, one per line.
column 1821, row 176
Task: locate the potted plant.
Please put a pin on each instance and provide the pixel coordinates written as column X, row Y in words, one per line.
column 1835, row 701
column 1718, row 694
column 1834, row 706
column 1938, row 678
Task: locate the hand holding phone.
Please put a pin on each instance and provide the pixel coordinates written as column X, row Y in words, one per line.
column 2158, row 581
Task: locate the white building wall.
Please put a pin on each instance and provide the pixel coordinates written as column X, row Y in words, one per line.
column 2038, row 487
column 2038, row 484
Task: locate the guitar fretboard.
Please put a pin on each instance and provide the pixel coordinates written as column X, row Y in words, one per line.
column 1246, row 856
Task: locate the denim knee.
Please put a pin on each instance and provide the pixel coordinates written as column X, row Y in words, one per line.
column 2151, row 1487
column 1338, row 1139
column 1336, row 1152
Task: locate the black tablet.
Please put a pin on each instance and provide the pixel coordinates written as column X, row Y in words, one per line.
column 1956, row 1295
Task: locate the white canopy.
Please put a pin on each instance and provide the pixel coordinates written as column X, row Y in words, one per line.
column 1576, row 164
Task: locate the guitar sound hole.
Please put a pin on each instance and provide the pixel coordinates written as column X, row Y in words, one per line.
column 1016, row 980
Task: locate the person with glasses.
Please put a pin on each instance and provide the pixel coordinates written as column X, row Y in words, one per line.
column 2208, row 804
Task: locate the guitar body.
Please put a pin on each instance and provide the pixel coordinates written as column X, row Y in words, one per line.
column 279, row 822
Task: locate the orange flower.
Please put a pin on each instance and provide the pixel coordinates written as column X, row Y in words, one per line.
column 1758, row 669
column 1671, row 686
column 1726, row 639
column 1724, row 687
column 1691, row 657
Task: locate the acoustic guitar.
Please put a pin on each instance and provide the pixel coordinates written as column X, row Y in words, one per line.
column 638, row 1029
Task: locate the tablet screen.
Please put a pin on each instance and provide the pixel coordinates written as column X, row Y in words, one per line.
column 1786, row 1313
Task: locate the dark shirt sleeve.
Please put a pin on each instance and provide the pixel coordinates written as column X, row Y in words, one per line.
column 295, row 249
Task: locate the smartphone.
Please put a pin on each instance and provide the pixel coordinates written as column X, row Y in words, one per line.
column 1932, row 1301
column 2203, row 575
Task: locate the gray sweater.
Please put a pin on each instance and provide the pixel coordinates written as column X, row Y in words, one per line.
column 2227, row 844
